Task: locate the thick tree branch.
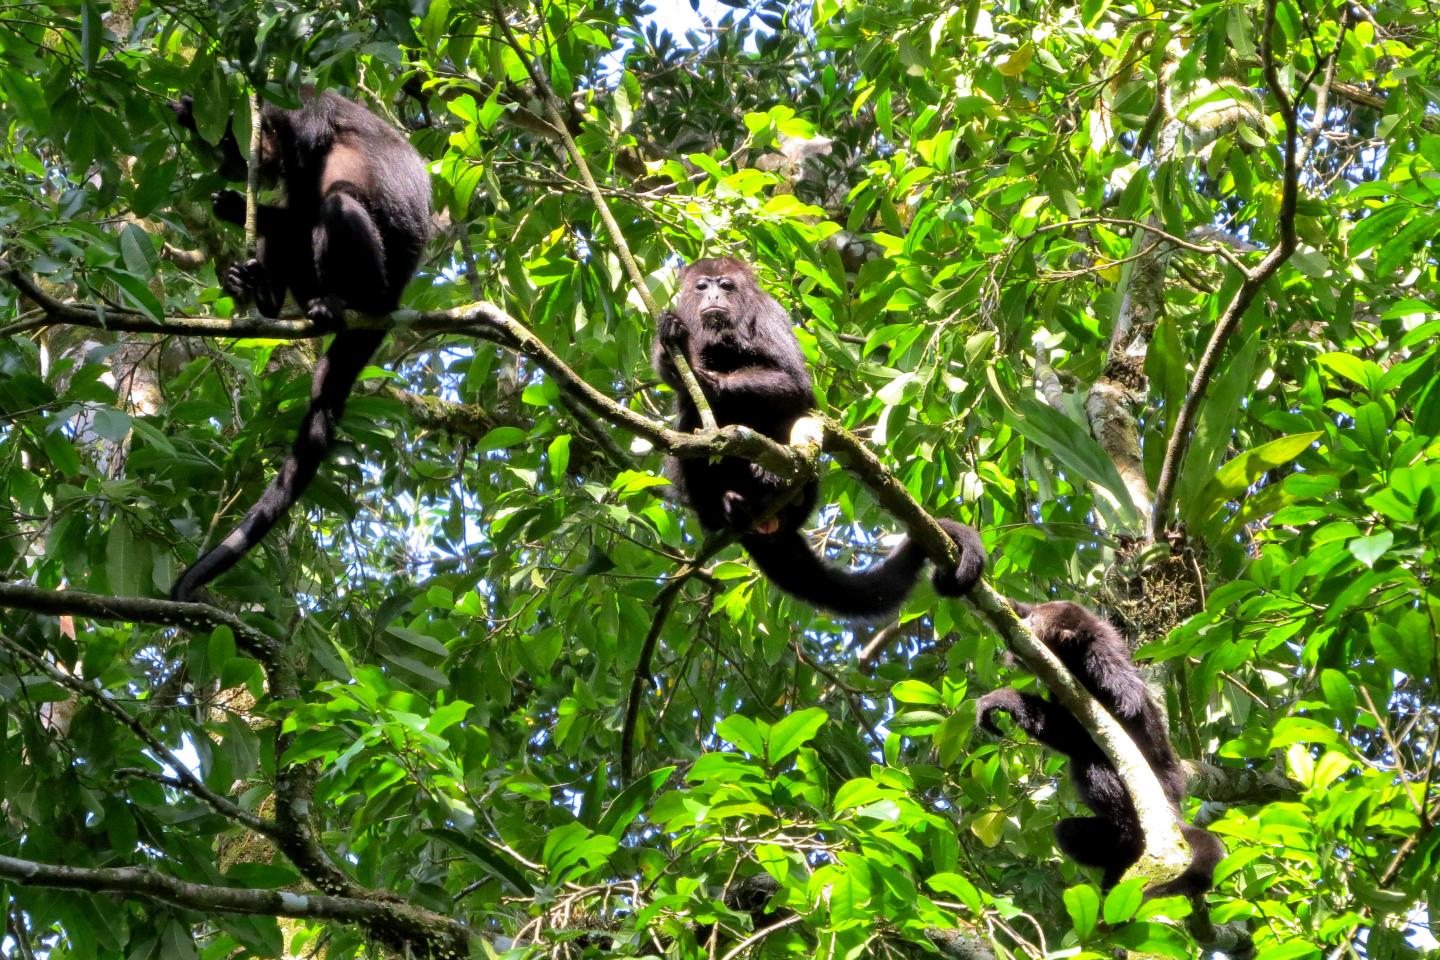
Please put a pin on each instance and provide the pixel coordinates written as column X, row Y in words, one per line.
column 1167, row 854
column 484, row 320
column 400, row 926
column 165, row 613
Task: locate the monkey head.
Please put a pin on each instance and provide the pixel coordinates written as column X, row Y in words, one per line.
column 719, row 292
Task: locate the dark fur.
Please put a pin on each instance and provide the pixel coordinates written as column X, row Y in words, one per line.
column 739, row 342
column 1095, row 653
column 354, row 224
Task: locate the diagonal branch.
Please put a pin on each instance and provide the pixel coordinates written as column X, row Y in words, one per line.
column 484, row 320
column 1253, row 281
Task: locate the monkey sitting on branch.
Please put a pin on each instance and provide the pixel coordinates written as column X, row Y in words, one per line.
column 738, row 341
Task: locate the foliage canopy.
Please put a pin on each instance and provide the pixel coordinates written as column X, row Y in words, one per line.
column 475, row 696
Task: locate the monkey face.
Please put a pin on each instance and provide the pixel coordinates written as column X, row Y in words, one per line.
column 715, row 300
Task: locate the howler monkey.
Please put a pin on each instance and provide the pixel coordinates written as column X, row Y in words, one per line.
column 354, row 224
column 1095, row 653
column 740, row 344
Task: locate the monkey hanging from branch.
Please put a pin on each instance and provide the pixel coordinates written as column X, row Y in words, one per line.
column 1095, row 653
column 738, row 341
column 349, row 237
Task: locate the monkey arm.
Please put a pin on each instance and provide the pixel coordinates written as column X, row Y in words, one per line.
column 671, row 332
column 1042, row 720
column 229, row 206
column 226, row 154
column 776, row 384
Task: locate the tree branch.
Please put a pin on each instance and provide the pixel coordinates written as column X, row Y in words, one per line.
column 1234, row 312
column 1166, row 852
column 165, row 613
column 184, row 778
column 403, row 927
column 617, row 239
column 484, row 320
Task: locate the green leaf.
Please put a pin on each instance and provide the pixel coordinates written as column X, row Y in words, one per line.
column 1369, row 549
column 1214, row 433
column 125, row 560
column 745, row 733
column 958, row 887
column 625, row 808
column 1409, row 650
column 1083, row 905
column 500, row 438
column 1074, row 448
column 1123, row 900
column 1236, row 476
column 491, row 860
column 419, row 641
column 790, row 732
column 423, row 671
column 1339, row 694
column 916, row 691
column 559, row 456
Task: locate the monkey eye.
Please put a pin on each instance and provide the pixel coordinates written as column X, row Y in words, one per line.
column 727, row 285
column 701, row 284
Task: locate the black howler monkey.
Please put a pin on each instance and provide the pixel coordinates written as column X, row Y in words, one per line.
column 354, row 224
column 740, row 344
column 1095, row 653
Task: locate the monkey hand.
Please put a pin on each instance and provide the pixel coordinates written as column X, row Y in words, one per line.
column 738, row 514
column 672, row 331
column 229, row 205
column 184, row 110
column 995, row 702
column 327, row 313
column 242, row 280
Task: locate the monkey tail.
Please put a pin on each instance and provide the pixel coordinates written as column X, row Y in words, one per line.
column 1206, row 853
column 335, row 374
column 789, row 563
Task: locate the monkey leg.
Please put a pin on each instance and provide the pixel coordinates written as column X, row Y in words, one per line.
column 1098, row 842
column 349, row 257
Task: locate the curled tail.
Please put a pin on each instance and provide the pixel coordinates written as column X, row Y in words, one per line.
column 1206, row 852
column 789, row 563
column 335, row 374
column 968, row 569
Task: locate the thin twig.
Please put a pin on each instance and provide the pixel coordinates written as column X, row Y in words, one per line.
column 617, row 239
column 761, row 934
column 252, row 178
